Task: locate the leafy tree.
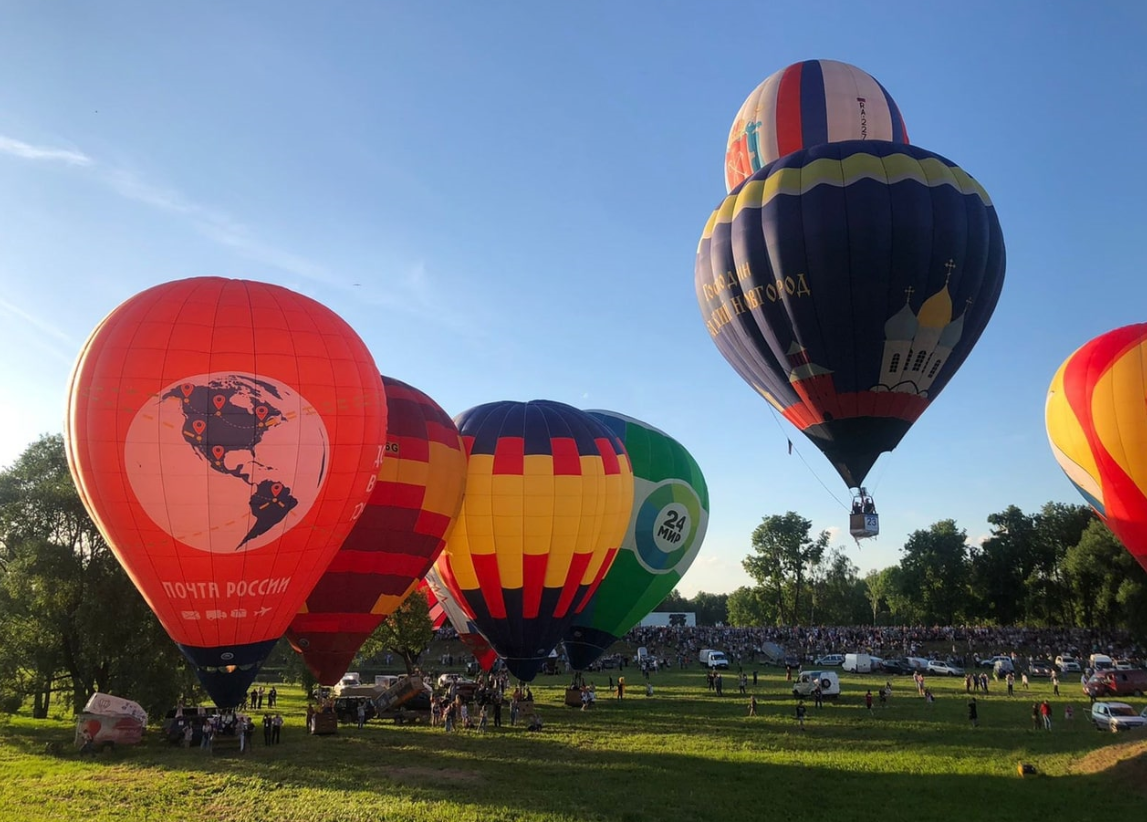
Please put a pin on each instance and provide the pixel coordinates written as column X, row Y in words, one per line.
column 750, row 607
column 877, row 587
column 711, row 609
column 1110, row 583
column 673, row 602
column 75, row 618
column 783, row 555
column 1001, row 565
column 935, row 572
column 407, row 632
column 837, row 592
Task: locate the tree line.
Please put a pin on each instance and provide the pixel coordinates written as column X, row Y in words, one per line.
column 1060, row 566
column 72, row 622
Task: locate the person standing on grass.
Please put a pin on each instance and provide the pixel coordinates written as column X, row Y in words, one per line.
column 1024, row 680
column 973, row 714
column 361, row 713
column 753, row 705
column 818, row 696
column 276, row 728
column 801, row 711
column 1068, row 713
column 868, row 700
column 1037, row 721
column 1045, row 712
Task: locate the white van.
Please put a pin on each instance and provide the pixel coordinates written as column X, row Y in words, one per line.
column 1100, row 662
column 806, row 682
column 857, row 663
column 710, row 658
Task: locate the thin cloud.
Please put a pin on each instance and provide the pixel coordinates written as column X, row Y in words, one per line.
column 45, row 329
column 27, row 151
column 411, row 291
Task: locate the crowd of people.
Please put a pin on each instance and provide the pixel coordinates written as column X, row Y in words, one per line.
column 968, row 644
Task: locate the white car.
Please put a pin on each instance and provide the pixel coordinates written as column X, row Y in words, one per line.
column 936, row 666
column 1068, row 664
column 1116, row 716
column 830, row 659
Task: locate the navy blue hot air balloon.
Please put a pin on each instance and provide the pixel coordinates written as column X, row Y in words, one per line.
column 846, row 283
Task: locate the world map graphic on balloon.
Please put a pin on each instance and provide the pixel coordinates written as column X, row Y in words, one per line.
column 227, row 462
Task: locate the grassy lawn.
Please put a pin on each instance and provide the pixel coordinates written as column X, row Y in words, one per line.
column 684, row 754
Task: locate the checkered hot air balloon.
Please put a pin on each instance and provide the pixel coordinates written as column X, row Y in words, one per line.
column 548, row 499
column 400, row 533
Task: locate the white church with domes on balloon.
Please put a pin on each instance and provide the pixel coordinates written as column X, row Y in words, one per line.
column 917, row 344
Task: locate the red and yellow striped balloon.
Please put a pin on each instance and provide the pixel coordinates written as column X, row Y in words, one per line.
column 1096, row 417
column 549, row 493
column 401, row 532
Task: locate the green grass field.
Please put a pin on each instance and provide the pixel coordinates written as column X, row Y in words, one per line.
column 683, row 754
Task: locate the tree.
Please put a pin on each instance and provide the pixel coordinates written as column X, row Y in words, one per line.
column 74, row 618
column 1001, row 565
column 935, row 571
column 750, row 608
column 408, row 632
column 783, row 554
column 674, row 601
column 877, row 587
column 711, row 609
column 1109, row 581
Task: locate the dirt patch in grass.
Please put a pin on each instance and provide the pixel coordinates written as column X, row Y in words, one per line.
column 1126, row 762
column 423, row 775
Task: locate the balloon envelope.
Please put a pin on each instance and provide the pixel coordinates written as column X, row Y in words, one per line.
column 548, row 497
column 846, row 284
column 223, row 434
column 401, row 532
column 1097, row 425
column 666, row 528
column 453, row 608
column 807, row 104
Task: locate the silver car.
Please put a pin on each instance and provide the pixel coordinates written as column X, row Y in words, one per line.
column 1116, row 716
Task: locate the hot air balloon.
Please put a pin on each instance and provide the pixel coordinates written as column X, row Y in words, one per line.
column 548, row 496
column 666, row 528
column 224, row 436
column 846, row 283
column 454, row 609
column 806, row 104
column 437, row 611
column 393, row 544
column 1097, row 425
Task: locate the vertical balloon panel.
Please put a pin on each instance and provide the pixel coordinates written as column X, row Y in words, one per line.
column 393, row 544
column 224, row 435
column 549, row 493
column 665, row 531
column 1096, row 415
column 807, row 104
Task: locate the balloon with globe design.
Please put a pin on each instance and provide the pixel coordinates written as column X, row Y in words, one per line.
column 224, row 435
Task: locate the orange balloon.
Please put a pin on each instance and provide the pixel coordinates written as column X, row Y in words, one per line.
column 1096, row 416
column 225, row 435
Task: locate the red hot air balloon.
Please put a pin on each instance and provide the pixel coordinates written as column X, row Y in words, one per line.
column 437, row 609
column 224, row 435
column 395, row 541
column 442, row 586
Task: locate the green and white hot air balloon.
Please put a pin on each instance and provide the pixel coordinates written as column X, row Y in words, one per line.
column 666, row 528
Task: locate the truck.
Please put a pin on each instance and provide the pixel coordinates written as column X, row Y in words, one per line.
column 711, row 658
column 807, row 681
column 857, row 663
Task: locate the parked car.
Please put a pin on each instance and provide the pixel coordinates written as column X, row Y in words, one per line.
column 937, row 666
column 1116, row 683
column 1068, row 664
column 896, row 666
column 792, row 661
column 829, row 660
column 991, row 661
column 1040, row 669
column 1116, row 716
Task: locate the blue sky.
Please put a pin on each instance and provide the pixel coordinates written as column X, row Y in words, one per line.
column 504, row 199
